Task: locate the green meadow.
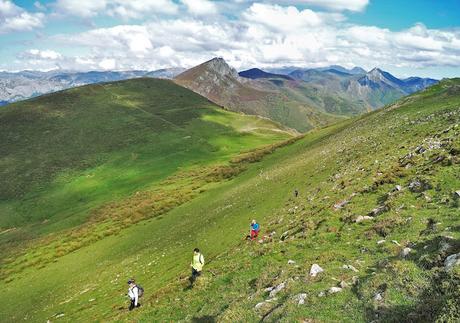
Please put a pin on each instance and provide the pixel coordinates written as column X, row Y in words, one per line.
column 127, row 178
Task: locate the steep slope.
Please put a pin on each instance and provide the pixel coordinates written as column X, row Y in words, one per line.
column 369, row 189
column 220, row 83
column 378, row 211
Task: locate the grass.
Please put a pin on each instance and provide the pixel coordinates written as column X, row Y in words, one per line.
column 67, row 154
column 342, row 172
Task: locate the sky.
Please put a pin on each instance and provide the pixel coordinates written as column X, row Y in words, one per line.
column 404, row 37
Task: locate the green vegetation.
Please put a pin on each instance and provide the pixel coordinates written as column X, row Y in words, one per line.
column 399, row 165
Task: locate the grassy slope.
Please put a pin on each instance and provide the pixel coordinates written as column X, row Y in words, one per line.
column 66, row 157
column 360, row 163
column 328, row 166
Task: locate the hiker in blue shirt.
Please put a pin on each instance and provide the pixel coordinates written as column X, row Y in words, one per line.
column 255, row 228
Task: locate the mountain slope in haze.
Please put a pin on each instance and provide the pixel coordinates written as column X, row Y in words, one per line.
column 220, row 83
column 22, row 85
column 377, row 210
column 256, row 73
column 373, row 89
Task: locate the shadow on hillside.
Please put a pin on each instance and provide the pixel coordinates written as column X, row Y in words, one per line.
column 204, row 319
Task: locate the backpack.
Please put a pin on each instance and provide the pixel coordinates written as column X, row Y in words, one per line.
column 140, row 291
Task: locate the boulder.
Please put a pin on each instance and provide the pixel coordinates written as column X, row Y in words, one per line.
column 315, row 270
column 452, row 261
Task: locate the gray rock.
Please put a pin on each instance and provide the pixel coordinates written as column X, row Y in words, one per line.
column 334, row 290
column 300, row 298
column 379, row 210
column 419, row 185
column 361, row 218
column 405, row 252
column 291, row 262
column 321, row 294
column 277, row 289
column 452, row 261
column 343, row 284
column 315, row 270
column 378, row 297
column 381, row 241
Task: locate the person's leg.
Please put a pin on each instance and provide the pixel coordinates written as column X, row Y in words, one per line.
column 131, row 306
column 193, row 277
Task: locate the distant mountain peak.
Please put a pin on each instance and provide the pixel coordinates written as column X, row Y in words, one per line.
column 257, row 73
column 219, row 66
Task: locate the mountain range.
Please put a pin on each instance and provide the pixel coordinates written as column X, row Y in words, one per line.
column 26, row 84
column 301, row 99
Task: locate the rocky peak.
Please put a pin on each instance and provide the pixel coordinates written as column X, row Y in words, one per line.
column 219, row 66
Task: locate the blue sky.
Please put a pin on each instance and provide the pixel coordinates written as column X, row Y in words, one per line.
column 403, row 37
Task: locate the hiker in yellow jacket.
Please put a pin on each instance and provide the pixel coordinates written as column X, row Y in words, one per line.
column 196, row 264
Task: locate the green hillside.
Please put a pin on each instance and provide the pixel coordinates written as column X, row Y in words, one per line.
column 66, row 158
column 399, row 166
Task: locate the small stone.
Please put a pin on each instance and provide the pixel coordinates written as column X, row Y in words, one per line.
column 457, row 193
column 405, row 252
column 277, row 289
column 381, row 241
column 343, row 284
column 291, row 262
column 315, row 270
column 378, row 210
column 334, row 290
column 398, row 188
column 396, row 242
column 452, row 261
column 355, row 280
column 378, row 297
column 361, row 218
column 268, row 289
column 300, row 298
column 321, row 294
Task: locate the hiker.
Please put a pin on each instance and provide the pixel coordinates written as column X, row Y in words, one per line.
column 197, row 265
column 296, row 192
column 133, row 293
column 255, row 228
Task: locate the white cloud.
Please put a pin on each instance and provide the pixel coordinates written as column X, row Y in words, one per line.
column 132, row 9
column 108, row 64
column 263, row 35
column 14, row 18
column 339, row 5
column 200, row 7
column 81, row 8
column 44, row 54
column 281, row 18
